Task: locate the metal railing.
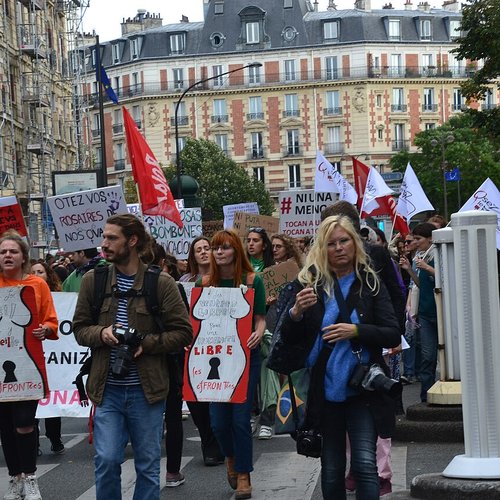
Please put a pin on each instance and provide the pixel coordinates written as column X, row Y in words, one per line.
column 255, row 116
column 182, row 121
column 399, row 108
column 220, row 118
column 256, row 153
column 118, row 128
column 332, row 111
column 400, row 145
column 291, row 112
column 429, row 108
column 334, row 148
column 292, row 151
column 120, row 164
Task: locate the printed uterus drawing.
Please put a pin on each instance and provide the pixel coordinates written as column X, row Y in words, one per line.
column 217, row 360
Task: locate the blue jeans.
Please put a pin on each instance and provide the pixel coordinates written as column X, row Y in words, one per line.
column 428, row 344
column 125, row 413
column 354, row 417
column 231, row 422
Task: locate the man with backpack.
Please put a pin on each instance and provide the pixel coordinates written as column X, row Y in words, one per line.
column 128, row 381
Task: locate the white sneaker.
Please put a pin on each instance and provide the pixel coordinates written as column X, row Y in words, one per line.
column 31, row 490
column 15, row 490
column 265, row 432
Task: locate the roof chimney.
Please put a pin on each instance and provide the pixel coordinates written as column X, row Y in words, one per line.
column 184, row 19
column 408, row 5
column 451, row 5
column 331, row 5
column 315, row 5
column 363, row 5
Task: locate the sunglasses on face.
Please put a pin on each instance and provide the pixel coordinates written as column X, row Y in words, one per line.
column 259, row 230
column 409, row 242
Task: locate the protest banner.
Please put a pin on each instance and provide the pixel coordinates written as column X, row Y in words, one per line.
column 277, row 276
column 11, row 216
column 63, row 359
column 80, row 217
column 21, row 355
column 134, row 209
column 175, row 240
column 230, row 210
column 243, row 221
column 300, row 211
column 210, row 227
column 218, row 361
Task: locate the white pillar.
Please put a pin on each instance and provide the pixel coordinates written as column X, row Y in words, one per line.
column 445, row 280
column 474, row 239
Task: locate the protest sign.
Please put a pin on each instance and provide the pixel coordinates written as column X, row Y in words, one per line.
column 175, row 240
column 63, row 359
column 230, row 210
column 21, row 354
column 277, row 276
column 80, row 218
column 300, row 211
column 134, row 209
column 218, row 361
column 242, row 222
column 210, row 227
column 11, row 216
column 188, row 288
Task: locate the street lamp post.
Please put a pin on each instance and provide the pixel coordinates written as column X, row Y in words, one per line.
column 443, row 141
column 177, row 147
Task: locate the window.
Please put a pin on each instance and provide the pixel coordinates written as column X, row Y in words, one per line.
column 94, row 58
column 488, row 100
column 330, row 30
column 119, row 157
column 425, row 29
column 293, row 142
column 178, row 74
column 254, row 74
column 396, row 68
column 458, row 101
column 378, row 100
column 177, row 43
column 291, row 105
column 97, row 122
column 334, row 145
column 252, row 30
column 182, row 118
column 294, row 176
column 217, row 70
column 376, row 62
column 331, row 68
column 134, row 48
column 290, row 70
column 136, row 115
column 219, row 8
column 182, row 143
column 399, row 142
column 430, row 126
column 333, row 103
column 454, row 29
column 429, row 100
column 135, row 83
column 258, row 174
column 98, row 157
column 380, row 133
column 116, row 85
column 456, row 65
column 255, row 108
column 116, row 53
column 398, row 100
column 394, row 29
column 257, row 147
column 428, row 67
column 287, row 4
column 221, row 141
column 117, row 121
column 220, row 111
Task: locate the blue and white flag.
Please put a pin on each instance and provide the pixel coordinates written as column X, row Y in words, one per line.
column 412, row 199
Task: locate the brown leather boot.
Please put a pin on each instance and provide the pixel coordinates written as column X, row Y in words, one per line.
column 232, row 475
column 244, row 488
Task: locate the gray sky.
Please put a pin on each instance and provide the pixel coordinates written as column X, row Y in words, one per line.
column 105, row 16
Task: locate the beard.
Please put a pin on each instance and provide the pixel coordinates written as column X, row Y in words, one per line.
column 120, row 257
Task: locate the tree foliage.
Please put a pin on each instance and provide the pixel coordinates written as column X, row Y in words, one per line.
column 222, row 181
column 481, row 23
column 473, row 150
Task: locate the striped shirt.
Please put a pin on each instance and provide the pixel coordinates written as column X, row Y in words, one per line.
column 123, row 283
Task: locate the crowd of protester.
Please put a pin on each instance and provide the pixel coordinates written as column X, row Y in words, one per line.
column 387, row 284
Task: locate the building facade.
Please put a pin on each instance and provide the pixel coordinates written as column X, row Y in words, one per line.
column 37, row 113
column 357, row 82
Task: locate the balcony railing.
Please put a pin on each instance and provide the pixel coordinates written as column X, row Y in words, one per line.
column 291, row 112
column 255, row 116
column 120, row 164
column 354, row 73
column 334, row 148
column 429, row 108
column 182, row 121
column 220, row 118
column 487, row 106
column 118, row 128
column 256, row 153
column 96, row 132
column 292, row 151
column 332, row 111
column 399, row 108
column 458, row 107
column 400, row 145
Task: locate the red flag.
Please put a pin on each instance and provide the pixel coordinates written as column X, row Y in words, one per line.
column 387, row 205
column 156, row 197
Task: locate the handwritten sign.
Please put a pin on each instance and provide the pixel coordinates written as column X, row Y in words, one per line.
column 210, row 227
column 244, row 221
column 277, row 276
column 218, row 361
column 188, row 288
column 175, row 241
column 11, row 216
column 21, row 355
column 230, row 210
column 80, row 218
column 63, row 360
column 300, row 211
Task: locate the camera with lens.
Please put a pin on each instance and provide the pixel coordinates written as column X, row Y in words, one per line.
column 129, row 340
column 373, row 378
column 309, row 443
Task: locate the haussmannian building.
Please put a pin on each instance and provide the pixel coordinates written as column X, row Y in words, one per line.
column 358, row 82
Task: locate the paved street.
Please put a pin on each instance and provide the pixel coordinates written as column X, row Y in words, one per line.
column 279, row 472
